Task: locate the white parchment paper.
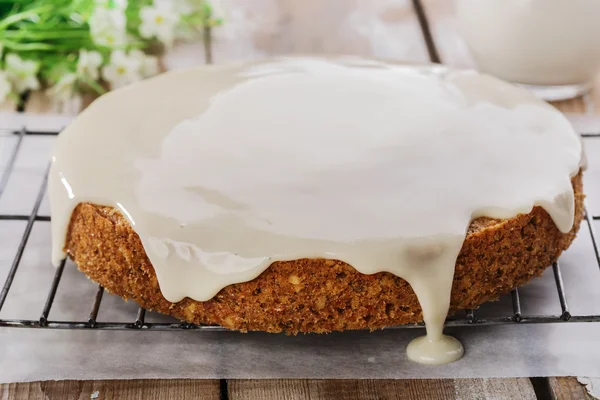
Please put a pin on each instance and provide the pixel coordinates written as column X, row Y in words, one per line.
column 561, row 349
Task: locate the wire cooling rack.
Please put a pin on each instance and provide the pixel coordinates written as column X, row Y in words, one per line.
column 469, row 317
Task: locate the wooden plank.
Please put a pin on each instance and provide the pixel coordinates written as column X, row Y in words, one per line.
column 156, row 389
column 39, row 102
column 567, row 388
column 288, row 389
column 506, row 388
column 578, row 105
column 464, row 389
column 434, row 389
column 261, row 28
column 8, row 105
column 443, row 389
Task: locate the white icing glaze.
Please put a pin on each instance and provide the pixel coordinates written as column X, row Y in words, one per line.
column 428, row 350
column 223, row 170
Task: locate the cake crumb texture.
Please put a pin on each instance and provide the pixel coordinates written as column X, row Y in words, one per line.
column 321, row 295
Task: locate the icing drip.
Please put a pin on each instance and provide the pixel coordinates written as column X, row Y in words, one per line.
column 222, row 171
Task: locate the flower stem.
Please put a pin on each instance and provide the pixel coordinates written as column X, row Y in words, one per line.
column 45, row 46
column 45, row 35
column 23, row 16
column 207, row 39
column 93, row 84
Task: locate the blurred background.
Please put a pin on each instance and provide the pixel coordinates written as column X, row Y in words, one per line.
column 72, row 51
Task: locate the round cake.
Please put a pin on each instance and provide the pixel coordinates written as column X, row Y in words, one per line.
column 317, row 195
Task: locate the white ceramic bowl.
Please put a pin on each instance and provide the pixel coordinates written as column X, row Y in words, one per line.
column 551, row 45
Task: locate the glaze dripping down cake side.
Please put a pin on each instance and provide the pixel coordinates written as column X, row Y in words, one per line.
column 313, row 194
column 319, row 295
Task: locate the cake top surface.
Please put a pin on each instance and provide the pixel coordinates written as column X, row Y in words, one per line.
column 223, row 170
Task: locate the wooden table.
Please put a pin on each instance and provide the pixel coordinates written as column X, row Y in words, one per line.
column 417, row 30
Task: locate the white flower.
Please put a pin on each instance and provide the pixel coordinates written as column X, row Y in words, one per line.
column 88, row 64
column 64, row 94
column 118, row 4
column 64, row 89
column 5, row 86
column 148, row 64
column 122, row 69
column 22, row 73
column 159, row 21
column 107, row 27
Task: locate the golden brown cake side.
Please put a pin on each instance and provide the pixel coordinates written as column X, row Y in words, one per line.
column 319, row 295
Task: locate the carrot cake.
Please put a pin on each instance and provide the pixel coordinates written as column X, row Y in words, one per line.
column 317, row 195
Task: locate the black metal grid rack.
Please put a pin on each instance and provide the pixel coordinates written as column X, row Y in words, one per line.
column 137, row 323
